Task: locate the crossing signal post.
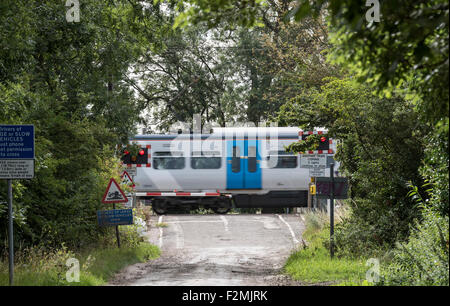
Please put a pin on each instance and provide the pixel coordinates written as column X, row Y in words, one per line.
column 137, row 156
column 329, row 188
column 332, row 188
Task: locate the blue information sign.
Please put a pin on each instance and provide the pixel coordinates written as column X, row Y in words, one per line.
column 16, row 142
column 115, row 217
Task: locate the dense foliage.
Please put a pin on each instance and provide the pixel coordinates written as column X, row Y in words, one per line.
column 68, row 80
column 383, row 92
column 380, row 150
column 424, row 259
column 404, row 59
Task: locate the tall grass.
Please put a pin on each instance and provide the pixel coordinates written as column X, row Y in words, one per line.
column 312, row 264
column 41, row 267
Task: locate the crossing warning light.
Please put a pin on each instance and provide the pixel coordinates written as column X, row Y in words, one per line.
column 141, row 157
column 324, row 143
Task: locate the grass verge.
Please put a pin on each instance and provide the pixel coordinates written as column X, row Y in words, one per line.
column 97, row 266
column 313, row 265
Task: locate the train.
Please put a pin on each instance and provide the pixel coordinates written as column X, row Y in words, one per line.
column 244, row 167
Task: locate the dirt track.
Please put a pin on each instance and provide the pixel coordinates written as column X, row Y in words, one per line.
column 218, row 250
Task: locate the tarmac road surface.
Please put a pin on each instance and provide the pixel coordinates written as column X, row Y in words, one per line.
column 218, row 250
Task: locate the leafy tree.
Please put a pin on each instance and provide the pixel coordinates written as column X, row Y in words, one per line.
column 69, row 80
column 380, row 150
column 258, row 69
column 296, row 59
column 277, row 62
column 407, row 51
column 409, row 44
column 187, row 76
column 213, row 13
column 404, row 58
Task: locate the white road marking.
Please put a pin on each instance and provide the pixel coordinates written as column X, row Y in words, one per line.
column 160, row 232
column 225, row 223
column 290, row 230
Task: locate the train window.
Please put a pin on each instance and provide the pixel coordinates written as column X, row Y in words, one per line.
column 168, row 160
column 236, row 160
column 281, row 159
column 206, row 160
column 251, row 159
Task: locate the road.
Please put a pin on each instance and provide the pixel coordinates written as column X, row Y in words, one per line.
column 217, row 250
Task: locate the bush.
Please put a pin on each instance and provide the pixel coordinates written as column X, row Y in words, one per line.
column 132, row 235
column 380, row 149
column 424, row 259
column 369, row 231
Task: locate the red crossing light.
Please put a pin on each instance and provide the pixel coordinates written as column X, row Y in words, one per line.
column 141, row 152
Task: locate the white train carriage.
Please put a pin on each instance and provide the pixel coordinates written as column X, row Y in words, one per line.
column 244, row 167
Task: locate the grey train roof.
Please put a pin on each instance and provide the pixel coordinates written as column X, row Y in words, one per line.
column 229, row 133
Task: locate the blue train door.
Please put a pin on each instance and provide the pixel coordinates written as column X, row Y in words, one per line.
column 252, row 167
column 243, row 163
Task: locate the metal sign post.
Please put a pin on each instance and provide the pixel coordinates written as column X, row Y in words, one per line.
column 114, row 194
column 16, row 162
column 117, row 230
column 10, row 234
column 115, row 218
column 332, row 211
column 134, row 204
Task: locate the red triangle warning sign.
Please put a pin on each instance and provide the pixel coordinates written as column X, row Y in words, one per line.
column 114, row 194
column 126, row 178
